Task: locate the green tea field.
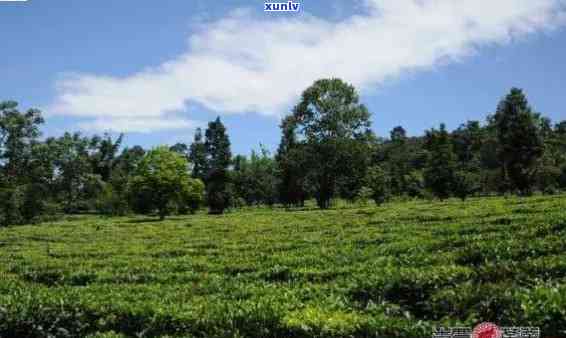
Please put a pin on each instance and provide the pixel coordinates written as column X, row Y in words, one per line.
column 399, row 270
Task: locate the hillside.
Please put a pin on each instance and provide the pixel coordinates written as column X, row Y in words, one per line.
column 394, row 271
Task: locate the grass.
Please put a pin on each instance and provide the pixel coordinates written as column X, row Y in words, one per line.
column 394, row 271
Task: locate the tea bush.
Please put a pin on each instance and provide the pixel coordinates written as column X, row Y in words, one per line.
column 398, row 270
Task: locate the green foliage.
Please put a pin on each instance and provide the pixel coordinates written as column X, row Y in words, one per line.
column 76, row 183
column 291, row 160
column 468, row 141
column 24, row 169
column 520, row 141
column 218, row 158
column 128, row 160
column 180, row 148
column 192, row 196
column 197, row 156
column 403, row 158
column 325, row 152
column 414, row 184
column 18, row 132
column 548, row 178
column 24, row 204
column 112, row 202
column 466, row 183
column 11, row 201
column 395, row 271
column 364, row 195
column 379, row 184
column 353, row 166
column 104, row 159
column 255, row 179
column 162, row 179
column 562, row 178
column 334, row 129
column 440, row 172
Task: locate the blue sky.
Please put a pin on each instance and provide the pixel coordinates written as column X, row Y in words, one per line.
column 158, row 69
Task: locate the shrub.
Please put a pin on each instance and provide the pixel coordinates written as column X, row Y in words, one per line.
column 378, row 185
column 548, row 178
column 192, row 196
column 465, row 184
column 11, row 201
column 562, row 178
column 364, row 195
column 111, row 202
column 27, row 203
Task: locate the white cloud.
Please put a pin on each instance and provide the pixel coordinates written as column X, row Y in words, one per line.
column 138, row 125
column 246, row 63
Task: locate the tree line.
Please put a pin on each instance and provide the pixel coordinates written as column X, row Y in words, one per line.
column 327, row 151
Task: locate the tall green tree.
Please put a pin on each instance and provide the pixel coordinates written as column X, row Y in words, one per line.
column 18, row 132
column 440, row 171
column 403, row 159
column 76, row 180
column 290, row 158
column 467, row 142
column 520, row 144
column 197, row 156
column 218, row 159
column 560, row 151
column 398, row 156
column 162, row 180
column 105, row 155
column 23, row 181
column 115, row 198
column 332, row 123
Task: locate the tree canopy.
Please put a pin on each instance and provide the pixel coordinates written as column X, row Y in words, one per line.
column 162, row 179
column 327, row 151
column 334, row 128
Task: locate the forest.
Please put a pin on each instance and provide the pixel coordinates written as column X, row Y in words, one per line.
column 338, row 233
column 328, row 152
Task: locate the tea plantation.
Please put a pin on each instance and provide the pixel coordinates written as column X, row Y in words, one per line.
column 393, row 271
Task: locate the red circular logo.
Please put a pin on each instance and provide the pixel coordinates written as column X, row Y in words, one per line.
column 487, row 330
